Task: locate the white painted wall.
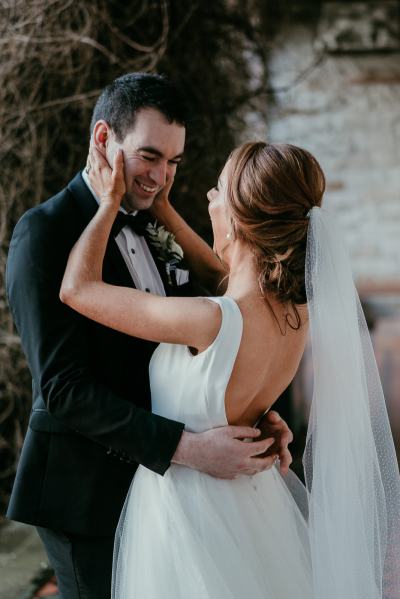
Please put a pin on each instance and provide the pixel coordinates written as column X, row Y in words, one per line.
column 346, row 111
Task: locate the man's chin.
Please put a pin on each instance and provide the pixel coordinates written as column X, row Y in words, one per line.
column 133, row 202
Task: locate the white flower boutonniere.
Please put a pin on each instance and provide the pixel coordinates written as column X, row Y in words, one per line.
column 168, row 250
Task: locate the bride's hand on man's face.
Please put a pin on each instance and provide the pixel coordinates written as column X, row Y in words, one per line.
column 108, row 183
column 161, row 201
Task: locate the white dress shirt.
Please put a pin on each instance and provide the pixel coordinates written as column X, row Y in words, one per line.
column 137, row 255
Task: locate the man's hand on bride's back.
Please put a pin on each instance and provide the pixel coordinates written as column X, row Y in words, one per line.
column 272, row 425
column 223, row 453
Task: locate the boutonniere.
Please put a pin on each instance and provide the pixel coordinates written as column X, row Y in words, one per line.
column 168, row 250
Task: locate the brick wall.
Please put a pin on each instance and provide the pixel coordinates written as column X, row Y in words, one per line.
column 346, row 110
column 337, row 93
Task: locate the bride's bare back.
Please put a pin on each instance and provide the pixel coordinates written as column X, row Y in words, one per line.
column 266, row 362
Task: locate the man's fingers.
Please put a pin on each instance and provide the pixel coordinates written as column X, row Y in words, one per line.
column 273, row 416
column 243, row 432
column 286, row 439
column 259, row 447
column 285, row 459
column 261, row 464
column 249, row 472
column 276, row 423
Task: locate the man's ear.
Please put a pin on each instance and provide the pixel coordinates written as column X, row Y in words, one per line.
column 101, row 135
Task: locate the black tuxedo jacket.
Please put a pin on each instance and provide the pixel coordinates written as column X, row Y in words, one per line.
column 91, row 423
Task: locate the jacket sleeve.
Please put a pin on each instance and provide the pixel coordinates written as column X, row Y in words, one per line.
column 53, row 338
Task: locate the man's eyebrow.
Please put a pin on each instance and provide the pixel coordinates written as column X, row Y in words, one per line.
column 156, row 152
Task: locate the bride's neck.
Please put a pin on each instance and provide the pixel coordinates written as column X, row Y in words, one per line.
column 243, row 278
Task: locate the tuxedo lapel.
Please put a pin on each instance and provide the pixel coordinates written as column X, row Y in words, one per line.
column 115, row 270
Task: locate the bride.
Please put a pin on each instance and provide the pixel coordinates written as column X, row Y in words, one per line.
column 226, row 360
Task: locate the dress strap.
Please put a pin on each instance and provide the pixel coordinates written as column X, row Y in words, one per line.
column 222, row 354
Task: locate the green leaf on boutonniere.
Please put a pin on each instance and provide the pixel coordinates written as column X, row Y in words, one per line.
column 168, row 250
column 165, row 243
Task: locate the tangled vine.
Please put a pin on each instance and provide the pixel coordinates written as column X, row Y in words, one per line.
column 56, row 55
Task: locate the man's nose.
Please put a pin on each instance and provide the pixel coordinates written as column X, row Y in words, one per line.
column 159, row 174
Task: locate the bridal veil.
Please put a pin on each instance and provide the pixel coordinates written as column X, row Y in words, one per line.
column 350, row 463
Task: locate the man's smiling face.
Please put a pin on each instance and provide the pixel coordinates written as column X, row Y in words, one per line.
column 152, row 151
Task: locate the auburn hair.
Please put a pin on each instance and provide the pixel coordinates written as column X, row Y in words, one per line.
column 271, row 188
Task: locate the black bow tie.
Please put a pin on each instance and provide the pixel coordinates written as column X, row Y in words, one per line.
column 137, row 222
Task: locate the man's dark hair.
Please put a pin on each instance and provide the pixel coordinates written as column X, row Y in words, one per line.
column 120, row 101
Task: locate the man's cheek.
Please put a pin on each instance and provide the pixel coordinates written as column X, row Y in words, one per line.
column 134, row 166
column 170, row 178
column 130, row 175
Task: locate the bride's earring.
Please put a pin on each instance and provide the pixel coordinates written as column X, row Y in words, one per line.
column 231, row 234
column 228, row 237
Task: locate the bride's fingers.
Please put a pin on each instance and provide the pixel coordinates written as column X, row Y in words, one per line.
column 118, row 176
column 118, row 166
column 100, row 173
column 92, row 159
column 98, row 159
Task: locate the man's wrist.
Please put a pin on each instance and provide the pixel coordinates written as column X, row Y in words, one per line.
column 185, row 450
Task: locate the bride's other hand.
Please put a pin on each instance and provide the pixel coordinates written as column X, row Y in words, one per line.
column 108, row 183
column 161, row 203
column 272, row 425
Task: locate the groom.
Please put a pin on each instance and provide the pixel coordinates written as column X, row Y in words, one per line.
column 91, row 423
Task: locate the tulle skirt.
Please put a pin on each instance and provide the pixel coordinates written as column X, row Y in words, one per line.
column 187, row 534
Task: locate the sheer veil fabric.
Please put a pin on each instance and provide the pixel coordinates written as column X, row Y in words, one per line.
column 350, row 463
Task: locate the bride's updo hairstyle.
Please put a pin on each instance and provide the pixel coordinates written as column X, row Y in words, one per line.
column 271, row 188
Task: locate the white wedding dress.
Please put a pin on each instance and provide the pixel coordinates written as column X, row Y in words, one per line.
column 187, row 534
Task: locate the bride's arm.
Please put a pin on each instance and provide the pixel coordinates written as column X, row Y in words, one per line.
column 202, row 260
column 189, row 321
